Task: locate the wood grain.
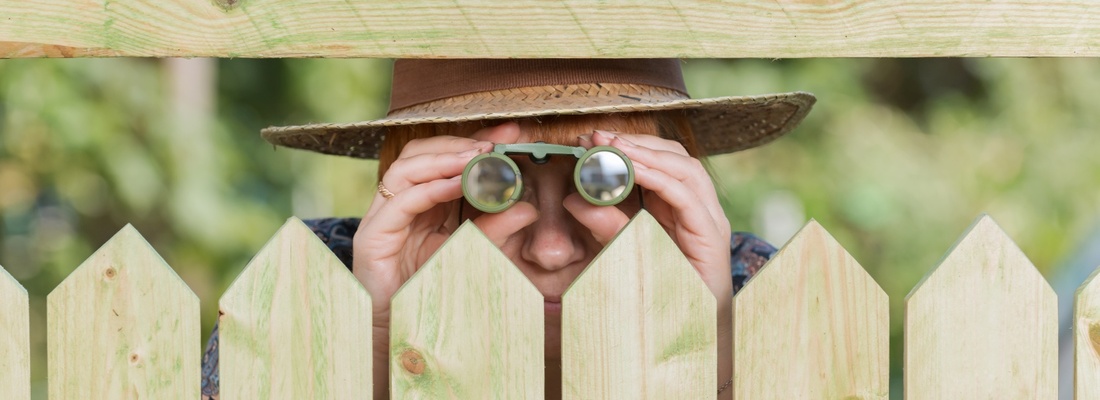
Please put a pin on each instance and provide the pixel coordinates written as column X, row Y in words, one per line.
column 639, row 323
column 295, row 324
column 15, row 345
column 123, row 325
column 467, row 325
column 1086, row 339
column 812, row 324
column 542, row 29
column 982, row 325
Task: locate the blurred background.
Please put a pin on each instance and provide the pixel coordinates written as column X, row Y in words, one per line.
column 896, row 160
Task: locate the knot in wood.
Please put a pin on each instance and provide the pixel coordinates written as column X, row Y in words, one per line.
column 413, row 362
column 110, row 272
column 227, row 5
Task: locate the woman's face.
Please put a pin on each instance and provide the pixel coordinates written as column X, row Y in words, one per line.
column 556, row 248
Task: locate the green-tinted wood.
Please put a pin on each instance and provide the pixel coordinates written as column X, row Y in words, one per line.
column 812, row 324
column 639, row 323
column 467, row 325
column 536, row 28
column 295, row 324
column 983, row 324
column 1086, row 338
column 15, row 364
column 123, row 325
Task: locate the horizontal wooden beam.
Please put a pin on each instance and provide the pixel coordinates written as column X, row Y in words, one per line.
column 543, row 28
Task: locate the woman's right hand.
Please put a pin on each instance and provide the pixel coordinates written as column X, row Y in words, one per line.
column 399, row 234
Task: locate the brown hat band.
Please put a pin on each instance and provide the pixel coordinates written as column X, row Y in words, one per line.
column 419, row 81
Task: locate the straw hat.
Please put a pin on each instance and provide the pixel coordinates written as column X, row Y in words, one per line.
column 430, row 91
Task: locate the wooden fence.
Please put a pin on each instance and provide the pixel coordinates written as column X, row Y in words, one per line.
column 638, row 324
column 541, row 29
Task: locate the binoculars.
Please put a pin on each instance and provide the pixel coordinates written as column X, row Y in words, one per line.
column 492, row 182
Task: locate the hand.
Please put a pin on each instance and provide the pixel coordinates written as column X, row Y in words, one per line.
column 399, row 234
column 680, row 196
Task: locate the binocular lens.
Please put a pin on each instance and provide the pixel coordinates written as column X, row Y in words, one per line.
column 491, row 184
column 604, row 177
column 492, row 181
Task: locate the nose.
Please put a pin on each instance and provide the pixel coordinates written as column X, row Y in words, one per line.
column 553, row 242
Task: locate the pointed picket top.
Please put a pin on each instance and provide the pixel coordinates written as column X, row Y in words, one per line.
column 467, row 325
column 295, row 324
column 123, row 325
column 15, row 382
column 639, row 323
column 982, row 324
column 811, row 324
column 1086, row 338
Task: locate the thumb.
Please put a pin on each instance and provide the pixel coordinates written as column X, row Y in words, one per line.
column 604, row 222
column 500, row 226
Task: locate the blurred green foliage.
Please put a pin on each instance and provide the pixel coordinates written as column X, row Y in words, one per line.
column 896, row 160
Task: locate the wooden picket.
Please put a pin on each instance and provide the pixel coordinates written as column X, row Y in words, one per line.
column 1086, row 338
column 812, row 324
column 982, row 325
column 639, row 323
column 295, row 324
column 15, row 361
column 545, row 29
column 467, row 325
column 123, row 325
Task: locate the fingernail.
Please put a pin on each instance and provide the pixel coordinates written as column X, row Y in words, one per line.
column 622, row 140
column 585, row 138
column 604, row 134
column 470, row 153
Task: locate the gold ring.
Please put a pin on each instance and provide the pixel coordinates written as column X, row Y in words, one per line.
column 385, row 192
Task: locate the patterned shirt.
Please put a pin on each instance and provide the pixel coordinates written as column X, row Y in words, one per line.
column 748, row 254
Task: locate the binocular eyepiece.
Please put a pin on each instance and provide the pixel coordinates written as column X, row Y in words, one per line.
column 492, row 181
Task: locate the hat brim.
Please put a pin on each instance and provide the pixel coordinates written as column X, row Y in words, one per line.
column 720, row 125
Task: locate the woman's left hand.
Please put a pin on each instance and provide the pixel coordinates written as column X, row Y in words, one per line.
column 679, row 195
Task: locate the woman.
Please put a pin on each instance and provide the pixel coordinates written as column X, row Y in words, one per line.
column 443, row 113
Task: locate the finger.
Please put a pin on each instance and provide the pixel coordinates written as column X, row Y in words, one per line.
column 442, row 144
column 375, row 204
column 507, row 132
column 397, row 213
column 680, row 166
column 586, row 141
column 683, row 202
column 650, row 141
column 421, row 165
column 483, row 139
column 603, row 222
column 498, row 227
column 411, row 171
